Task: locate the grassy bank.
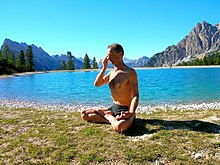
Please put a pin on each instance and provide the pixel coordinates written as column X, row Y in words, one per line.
column 30, row 136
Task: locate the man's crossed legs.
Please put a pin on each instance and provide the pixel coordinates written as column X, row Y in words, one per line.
column 104, row 115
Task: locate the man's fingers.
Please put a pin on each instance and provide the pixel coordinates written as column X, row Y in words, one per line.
column 106, row 58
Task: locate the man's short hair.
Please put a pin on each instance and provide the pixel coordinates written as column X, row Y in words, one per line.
column 117, row 47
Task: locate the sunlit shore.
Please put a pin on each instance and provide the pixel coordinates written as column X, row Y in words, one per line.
column 43, row 72
column 87, row 70
column 148, row 109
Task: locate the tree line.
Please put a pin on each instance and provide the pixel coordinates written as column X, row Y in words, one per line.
column 69, row 65
column 87, row 65
column 211, row 59
column 10, row 64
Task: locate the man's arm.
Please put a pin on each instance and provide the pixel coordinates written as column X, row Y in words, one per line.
column 134, row 89
column 101, row 79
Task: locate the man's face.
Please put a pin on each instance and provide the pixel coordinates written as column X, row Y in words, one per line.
column 113, row 55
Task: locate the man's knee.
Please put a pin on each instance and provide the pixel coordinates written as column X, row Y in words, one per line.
column 84, row 116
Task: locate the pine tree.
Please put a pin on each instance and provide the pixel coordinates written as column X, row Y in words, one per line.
column 1, row 57
column 1, row 63
column 70, row 64
column 29, row 66
column 86, row 62
column 207, row 60
column 216, row 59
column 11, row 58
column 63, row 65
column 5, row 51
column 20, row 62
column 94, row 64
column 7, row 60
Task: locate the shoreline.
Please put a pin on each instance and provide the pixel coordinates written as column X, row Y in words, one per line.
column 43, row 72
column 88, row 70
column 179, row 67
column 148, row 109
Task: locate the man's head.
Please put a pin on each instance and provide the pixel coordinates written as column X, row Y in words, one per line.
column 115, row 52
column 117, row 48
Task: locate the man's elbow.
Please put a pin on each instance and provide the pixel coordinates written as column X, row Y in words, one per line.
column 136, row 97
column 97, row 84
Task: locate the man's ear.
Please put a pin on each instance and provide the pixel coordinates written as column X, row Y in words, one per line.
column 120, row 53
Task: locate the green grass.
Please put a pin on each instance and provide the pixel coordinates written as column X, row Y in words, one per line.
column 29, row 136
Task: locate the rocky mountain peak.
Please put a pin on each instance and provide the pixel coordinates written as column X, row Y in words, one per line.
column 202, row 39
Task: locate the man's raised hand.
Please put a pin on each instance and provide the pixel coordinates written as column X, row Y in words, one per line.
column 105, row 62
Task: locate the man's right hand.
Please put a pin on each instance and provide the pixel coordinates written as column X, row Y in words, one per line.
column 101, row 77
column 105, row 62
column 125, row 115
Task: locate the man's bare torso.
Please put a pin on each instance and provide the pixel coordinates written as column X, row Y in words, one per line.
column 120, row 86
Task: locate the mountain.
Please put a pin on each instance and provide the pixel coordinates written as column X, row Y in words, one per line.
column 137, row 63
column 129, row 62
column 42, row 60
column 203, row 39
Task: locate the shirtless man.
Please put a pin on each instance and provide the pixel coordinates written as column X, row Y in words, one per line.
column 123, row 84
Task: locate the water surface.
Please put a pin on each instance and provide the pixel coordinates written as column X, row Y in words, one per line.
column 156, row 87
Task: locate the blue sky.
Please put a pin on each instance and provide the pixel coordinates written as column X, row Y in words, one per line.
column 142, row 27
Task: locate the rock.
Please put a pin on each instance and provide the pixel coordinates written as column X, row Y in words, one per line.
column 203, row 39
column 198, row 156
column 158, row 162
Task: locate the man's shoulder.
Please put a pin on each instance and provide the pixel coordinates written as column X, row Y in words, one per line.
column 128, row 69
column 131, row 72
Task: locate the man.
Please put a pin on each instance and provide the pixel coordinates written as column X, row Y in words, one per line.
column 123, row 84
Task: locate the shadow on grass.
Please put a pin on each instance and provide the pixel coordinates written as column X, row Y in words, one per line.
column 140, row 126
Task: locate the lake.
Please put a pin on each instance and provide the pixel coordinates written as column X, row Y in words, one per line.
column 157, row 86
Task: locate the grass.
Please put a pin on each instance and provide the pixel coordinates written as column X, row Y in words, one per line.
column 29, row 136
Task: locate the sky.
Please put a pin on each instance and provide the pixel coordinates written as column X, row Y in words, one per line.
column 142, row 27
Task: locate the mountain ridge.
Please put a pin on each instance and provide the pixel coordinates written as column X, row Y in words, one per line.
column 202, row 39
column 44, row 61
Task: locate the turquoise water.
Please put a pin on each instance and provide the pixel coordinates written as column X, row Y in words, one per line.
column 156, row 87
